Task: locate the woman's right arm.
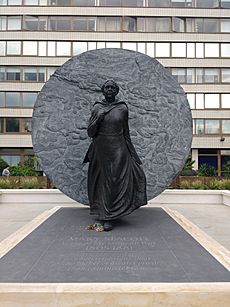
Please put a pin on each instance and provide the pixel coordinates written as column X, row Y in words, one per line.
column 96, row 118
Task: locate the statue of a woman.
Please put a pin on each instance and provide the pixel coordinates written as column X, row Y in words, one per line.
column 116, row 181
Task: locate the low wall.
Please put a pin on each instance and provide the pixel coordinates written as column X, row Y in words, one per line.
column 168, row 197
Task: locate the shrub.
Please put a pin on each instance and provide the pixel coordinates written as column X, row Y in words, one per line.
column 214, row 184
column 22, row 170
column 225, row 184
column 207, row 170
column 197, row 185
column 29, row 184
column 5, row 184
column 185, row 184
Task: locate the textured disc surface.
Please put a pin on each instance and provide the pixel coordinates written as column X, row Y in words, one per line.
column 160, row 119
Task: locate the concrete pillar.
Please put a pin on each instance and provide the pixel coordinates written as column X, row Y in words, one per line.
column 195, row 157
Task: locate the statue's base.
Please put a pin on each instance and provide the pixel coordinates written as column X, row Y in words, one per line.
column 148, row 251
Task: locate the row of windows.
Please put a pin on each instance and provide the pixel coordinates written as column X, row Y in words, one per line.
column 132, row 3
column 114, row 24
column 211, row 126
column 17, row 99
column 201, row 75
column 15, row 124
column 159, row 50
column 34, row 74
column 196, row 101
column 200, row 126
column 182, row 75
column 208, row 101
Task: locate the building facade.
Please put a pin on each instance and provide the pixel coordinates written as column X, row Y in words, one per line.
column 189, row 37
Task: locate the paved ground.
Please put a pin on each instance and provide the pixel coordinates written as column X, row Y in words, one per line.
column 212, row 219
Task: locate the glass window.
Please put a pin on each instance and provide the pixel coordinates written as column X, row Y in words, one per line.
column 42, row 48
column 212, row 126
column 211, row 75
column 28, row 99
column 113, row 24
column 12, row 124
column 80, row 24
column 92, row 45
column 160, row 24
column 79, row 47
column 140, row 24
column 150, row 49
column 225, row 25
column 211, row 50
column 225, row 75
column 30, row 23
column 51, row 48
column 14, row 2
column 199, row 50
column 226, row 126
column 51, row 71
column 1, row 126
column 199, row 101
column 190, row 75
column 63, row 48
column 100, row 45
column 133, row 3
column 225, row 101
column 162, row 50
column 13, row 48
column 225, row 4
column 159, row 3
column 26, row 125
column 112, row 45
column 210, row 25
column 30, row 2
column 2, row 74
column 110, row 3
column 179, row 74
column 2, row 48
column 130, row 24
column 2, row 99
column 212, row 101
column 207, row 3
column 30, row 74
column 181, row 3
column 199, row 75
column 3, row 2
column 199, row 126
column 30, row 48
column 11, row 160
column 42, row 74
column 14, row 23
column 83, row 3
column 13, row 73
column 130, row 46
column 179, row 50
column 2, row 23
column 191, row 50
column 141, row 47
column 191, row 100
column 225, row 50
column 42, row 25
column 178, row 24
column 12, row 99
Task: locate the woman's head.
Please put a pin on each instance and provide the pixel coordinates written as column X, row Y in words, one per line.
column 110, row 89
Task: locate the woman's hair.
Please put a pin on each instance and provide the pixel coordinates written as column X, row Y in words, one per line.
column 110, row 80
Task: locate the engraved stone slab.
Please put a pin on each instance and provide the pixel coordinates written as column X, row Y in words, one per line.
column 147, row 246
column 159, row 118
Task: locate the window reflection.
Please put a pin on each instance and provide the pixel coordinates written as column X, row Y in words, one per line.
column 26, row 125
column 30, row 48
column 12, row 124
column 63, row 48
column 12, row 99
column 212, row 101
column 225, row 101
column 13, row 48
column 212, row 126
column 226, row 75
column 226, row 126
column 28, row 99
column 199, row 126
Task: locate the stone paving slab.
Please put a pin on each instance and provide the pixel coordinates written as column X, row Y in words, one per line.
column 147, row 246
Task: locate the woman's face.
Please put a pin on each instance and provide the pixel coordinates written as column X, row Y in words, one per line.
column 110, row 90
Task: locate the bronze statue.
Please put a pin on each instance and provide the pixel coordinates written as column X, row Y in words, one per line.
column 116, row 181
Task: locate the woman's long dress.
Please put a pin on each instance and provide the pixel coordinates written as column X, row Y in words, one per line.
column 116, row 181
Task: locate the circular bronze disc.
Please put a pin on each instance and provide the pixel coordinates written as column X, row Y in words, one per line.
column 160, row 119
